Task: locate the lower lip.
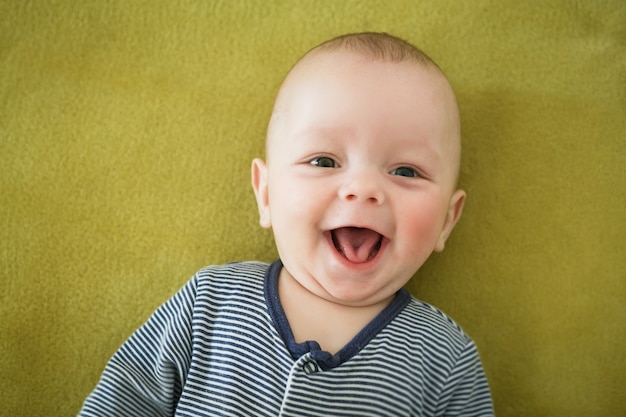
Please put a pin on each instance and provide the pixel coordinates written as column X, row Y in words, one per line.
column 352, row 265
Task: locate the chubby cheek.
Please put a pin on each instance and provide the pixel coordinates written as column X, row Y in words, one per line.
column 295, row 224
column 420, row 228
column 294, row 209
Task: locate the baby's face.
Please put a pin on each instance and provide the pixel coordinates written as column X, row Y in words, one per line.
column 359, row 185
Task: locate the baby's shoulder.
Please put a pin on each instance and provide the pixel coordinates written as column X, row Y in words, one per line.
column 236, row 279
column 427, row 325
column 233, row 274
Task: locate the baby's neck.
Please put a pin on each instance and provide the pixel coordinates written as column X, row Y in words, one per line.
column 311, row 317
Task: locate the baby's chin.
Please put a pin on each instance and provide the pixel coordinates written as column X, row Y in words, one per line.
column 354, row 293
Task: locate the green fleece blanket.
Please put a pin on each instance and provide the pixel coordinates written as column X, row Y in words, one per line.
column 126, row 134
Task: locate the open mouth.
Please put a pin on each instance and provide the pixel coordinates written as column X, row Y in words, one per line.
column 356, row 244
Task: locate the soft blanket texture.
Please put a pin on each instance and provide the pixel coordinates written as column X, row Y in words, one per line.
column 126, row 134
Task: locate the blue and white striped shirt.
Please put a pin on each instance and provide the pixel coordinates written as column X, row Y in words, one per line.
column 222, row 346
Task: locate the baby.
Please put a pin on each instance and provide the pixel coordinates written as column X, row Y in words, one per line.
column 359, row 188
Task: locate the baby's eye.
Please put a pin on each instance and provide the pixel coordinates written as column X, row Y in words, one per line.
column 324, row 162
column 405, row 172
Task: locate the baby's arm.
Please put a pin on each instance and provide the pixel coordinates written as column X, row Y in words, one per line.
column 146, row 375
column 466, row 392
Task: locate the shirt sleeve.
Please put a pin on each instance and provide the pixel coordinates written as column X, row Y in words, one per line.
column 146, row 375
column 466, row 391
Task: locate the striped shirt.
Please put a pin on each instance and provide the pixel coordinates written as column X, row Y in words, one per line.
column 222, row 346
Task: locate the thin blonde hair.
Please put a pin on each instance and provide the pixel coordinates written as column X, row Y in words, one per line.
column 378, row 46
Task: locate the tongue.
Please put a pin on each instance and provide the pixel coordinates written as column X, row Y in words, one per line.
column 356, row 244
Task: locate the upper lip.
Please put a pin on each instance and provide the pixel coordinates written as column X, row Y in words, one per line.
column 359, row 226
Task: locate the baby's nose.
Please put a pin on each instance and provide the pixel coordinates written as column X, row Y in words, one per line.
column 363, row 189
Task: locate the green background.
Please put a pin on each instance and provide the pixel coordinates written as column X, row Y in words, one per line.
column 126, row 134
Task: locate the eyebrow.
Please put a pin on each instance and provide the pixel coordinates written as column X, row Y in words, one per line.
column 325, row 134
column 328, row 134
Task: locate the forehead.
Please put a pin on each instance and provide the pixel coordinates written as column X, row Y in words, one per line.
column 335, row 89
column 357, row 73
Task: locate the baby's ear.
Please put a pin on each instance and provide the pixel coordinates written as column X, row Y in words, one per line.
column 259, row 184
column 452, row 217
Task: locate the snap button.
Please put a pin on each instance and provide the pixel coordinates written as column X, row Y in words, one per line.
column 310, row 368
